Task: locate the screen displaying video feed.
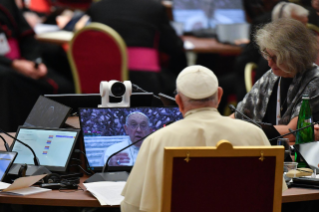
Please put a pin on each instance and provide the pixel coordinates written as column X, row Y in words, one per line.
column 108, row 130
column 206, row 14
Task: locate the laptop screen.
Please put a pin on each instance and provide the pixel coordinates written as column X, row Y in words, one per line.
column 107, row 130
column 206, row 14
column 6, row 160
column 53, row 147
column 309, row 153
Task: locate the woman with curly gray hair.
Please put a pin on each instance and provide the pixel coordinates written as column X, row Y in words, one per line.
column 290, row 49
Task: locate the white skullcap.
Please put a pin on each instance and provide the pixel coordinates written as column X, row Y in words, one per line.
column 197, row 82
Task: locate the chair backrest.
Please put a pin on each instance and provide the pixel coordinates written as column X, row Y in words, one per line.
column 97, row 53
column 314, row 28
column 250, row 72
column 223, row 178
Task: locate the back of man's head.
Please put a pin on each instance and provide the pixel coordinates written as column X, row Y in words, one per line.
column 290, row 10
column 198, row 87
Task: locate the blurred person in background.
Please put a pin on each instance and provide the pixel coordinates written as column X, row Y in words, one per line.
column 145, row 28
column 23, row 72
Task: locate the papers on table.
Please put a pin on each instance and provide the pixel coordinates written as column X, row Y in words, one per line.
column 4, row 185
column 42, row 28
column 63, row 36
column 21, row 186
column 188, row 45
column 27, row 191
column 107, row 193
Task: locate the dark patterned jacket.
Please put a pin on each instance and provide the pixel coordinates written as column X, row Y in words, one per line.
column 255, row 102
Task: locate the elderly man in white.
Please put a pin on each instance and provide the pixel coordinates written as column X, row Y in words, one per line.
column 198, row 98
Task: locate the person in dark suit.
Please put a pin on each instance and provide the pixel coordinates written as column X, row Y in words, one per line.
column 144, row 25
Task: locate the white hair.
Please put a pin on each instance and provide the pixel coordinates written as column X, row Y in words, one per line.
column 140, row 113
column 285, row 10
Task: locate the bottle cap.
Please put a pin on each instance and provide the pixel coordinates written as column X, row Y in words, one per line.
column 305, row 96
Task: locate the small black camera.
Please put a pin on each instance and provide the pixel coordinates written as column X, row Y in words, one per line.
column 118, row 89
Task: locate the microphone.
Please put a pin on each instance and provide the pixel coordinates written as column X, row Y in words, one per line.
column 232, row 107
column 293, row 131
column 31, row 170
column 5, row 144
column 116, row 176
column 106, row 165
column 35, row 159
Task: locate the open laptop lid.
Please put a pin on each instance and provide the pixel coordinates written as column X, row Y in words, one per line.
column 309, row 153
column 196, row 15
column 47, row 113
column 52, row 146
column 107, row 130
column 6, row 160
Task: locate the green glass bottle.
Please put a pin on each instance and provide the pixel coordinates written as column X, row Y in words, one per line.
column 304, row 119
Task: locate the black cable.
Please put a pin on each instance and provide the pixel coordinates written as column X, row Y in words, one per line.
column 81, row 169
column 73, row 189
column 76, row 159
column 86, row 159
column 5, row 144
column 141, row 89
column 35, row 159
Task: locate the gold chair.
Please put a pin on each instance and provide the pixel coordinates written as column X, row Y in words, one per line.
column 223, row 178
column 97, row 53
column 314, row 28
column 249, row 75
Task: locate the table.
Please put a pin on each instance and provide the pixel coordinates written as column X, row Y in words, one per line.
column 299, row 195
column 201, row 45
column 82, row 198
column 79, row 198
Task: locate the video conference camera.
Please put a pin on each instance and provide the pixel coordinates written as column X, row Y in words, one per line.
column 115, row 89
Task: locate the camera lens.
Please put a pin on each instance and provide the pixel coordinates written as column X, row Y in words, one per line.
column 118, row 89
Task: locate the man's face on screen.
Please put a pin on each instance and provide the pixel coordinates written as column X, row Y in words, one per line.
column 137, row 127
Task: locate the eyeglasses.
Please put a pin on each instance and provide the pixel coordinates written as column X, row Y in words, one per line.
column 134, row 125
column 268, row 57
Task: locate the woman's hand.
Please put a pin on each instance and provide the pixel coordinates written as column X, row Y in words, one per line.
column 283, row 129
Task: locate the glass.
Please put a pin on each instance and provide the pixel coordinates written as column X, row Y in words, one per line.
column 284, row 142
column 268, row 57
column 290, row 169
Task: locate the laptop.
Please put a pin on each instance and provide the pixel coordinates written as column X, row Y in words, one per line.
column 52, row 146
column 309, row 153
column 47, row 113
column 6, row 160
column 107, row 130
column 200, row 17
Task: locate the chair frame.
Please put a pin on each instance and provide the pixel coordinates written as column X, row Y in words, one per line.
column 248, row 75
column 109, row 31
column 313, row 28
column 223, row 149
